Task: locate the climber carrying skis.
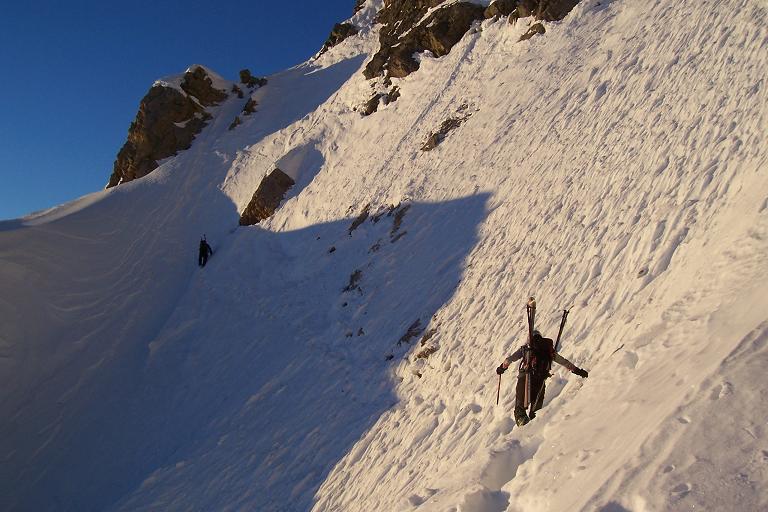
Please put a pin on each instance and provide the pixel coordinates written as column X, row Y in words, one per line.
column 205, row 251
column 537, row 356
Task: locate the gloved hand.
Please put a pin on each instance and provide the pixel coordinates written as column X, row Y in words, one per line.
column 581, row 373
column 500, row 369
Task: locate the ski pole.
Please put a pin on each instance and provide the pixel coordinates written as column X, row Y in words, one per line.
column 498, row 391
column 562, row 325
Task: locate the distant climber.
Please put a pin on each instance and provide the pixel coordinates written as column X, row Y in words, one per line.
column 540, row 360
column 205, row 251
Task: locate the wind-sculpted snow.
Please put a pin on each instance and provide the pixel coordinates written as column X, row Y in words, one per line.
column 614, row 164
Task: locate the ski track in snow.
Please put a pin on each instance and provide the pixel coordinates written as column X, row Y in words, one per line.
column 615, row 165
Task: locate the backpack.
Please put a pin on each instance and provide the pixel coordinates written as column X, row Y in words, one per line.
column 543, row 351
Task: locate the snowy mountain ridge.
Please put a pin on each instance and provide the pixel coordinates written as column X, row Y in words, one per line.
column 340, row 355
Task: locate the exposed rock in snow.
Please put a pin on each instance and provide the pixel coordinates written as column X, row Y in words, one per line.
column 235, row 123
column 167, row 122
column 250, row 107
column 413, row 27
column 435, row 138
column 500, row 8
column 547, row 10
column 170, row 116
column 536, row 28
column 437, row 34
column 198, row 84
column 360, row 218
column 339, row 33
column 267, row 198
column 251, row 81
column 354, row 281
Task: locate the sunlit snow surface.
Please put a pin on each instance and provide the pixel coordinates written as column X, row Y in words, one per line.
column 615, row 165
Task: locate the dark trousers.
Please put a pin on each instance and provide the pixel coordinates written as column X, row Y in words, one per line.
column 202, row 259
column 537, row 392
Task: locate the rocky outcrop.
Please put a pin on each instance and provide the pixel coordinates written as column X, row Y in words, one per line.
column 536, row 28
column 251, row 81
column 405, row 31
column 167, row 122
column 267, row 198
column 235, row 123
column 546, row 10
column 450, row 124
column 400, row 16
column 500, row 8
column 372, row 105
column 397, row 17
column 436, row 34
column 339, row 33
column 197, row 83
column 358, row 5
column 360, row 219
column 250, row 107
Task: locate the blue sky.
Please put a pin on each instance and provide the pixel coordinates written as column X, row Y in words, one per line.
column 74, row 73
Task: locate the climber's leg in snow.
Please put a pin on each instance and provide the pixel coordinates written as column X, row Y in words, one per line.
column 521, row 418
column 538, row 385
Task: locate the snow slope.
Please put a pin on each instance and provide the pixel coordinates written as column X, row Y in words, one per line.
column 616, row 164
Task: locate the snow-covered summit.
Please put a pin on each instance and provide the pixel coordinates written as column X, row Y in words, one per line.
column 171, row 114
column 340, row 354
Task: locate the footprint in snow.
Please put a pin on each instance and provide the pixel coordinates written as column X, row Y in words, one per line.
column 475, row 408
column 668, row 469
column 684, row 420
column 415, row 500
column 629, row 360
column 681, row 491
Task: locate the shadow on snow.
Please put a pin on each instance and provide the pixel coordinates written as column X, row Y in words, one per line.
column 251, row 387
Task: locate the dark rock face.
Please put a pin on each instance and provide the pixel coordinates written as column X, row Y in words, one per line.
column 437, row 34
column 235, row 123
column 197, row 83
column 463, row 113
column 358, row 5
column 403, row 33
column 372, row 105
column 250, row 107
column 547, row 10
column 414, row 331
column 500, row 8
column 393, row 94
column 536, row 28
column 267, row 198
column 360, row 219
column 251, row 81
column 339, row 33
column 166, row 123
column 399, row 16
column 437, row 137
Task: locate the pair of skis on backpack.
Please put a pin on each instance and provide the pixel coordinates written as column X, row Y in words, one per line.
column 533, row 388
